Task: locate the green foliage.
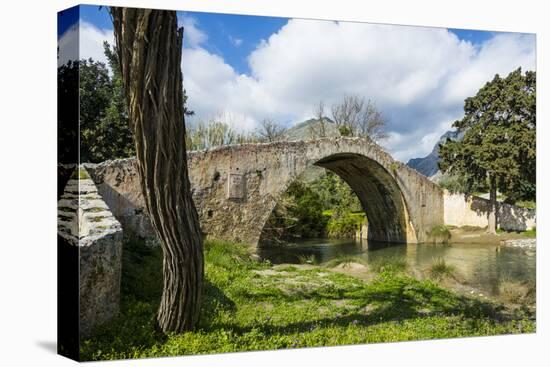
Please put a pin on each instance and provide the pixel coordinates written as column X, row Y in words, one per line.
column 530, row 233
column 80, row 173
column 345, row 261
column 344, row 130
column 105, row 131
column 345, row 225
column 335, row 194
column 517, row 292
column 324, row 206
column 389, row 264
column 252, row 306
column 440, row 269
column 527, row 204
column 298, row 214
column 499, row 144
column 215, row 133
column 104, row 127
column 227, row 255
column 440, row 234
column 456, row 183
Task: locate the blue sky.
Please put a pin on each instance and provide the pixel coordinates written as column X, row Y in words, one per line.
column 231, row 36
column 242, row 69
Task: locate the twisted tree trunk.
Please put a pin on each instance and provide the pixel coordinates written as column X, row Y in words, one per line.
column 149, row 49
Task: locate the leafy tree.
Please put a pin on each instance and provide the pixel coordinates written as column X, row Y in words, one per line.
column 104, row 128
column 149, row 49
column 298, row 214
column 324, row 206
column 335, row 194
column 96, row 96
column 499, row 144
column 456, row 183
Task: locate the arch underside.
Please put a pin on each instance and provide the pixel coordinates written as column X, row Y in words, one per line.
column 379, row 194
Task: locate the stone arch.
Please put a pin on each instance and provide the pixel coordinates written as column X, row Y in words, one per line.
column 376, row 188
column 407, row 203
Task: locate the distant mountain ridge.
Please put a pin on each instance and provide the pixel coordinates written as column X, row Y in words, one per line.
column 428, row 165
column 302, row 130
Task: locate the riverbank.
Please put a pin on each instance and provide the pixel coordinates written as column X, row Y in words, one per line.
column 468, row 234
column 250, row 305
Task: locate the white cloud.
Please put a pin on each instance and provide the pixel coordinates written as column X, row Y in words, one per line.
column 68, row 46
column 192, row 35
column 499, row 55
column 91, row 41
column 84, row 41
column 235, row 41
column 417, row 76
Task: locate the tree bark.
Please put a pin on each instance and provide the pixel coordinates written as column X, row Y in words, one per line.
column 149, row 46
column 492, row 216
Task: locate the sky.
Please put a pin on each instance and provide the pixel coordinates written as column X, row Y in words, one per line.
column 242, row 69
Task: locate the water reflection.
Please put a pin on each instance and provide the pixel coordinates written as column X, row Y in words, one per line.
column 481, row 265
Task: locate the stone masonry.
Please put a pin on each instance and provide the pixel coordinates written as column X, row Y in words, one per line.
column 235, row 188
column 85, row 221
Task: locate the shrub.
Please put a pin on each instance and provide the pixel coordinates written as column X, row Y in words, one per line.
column 345, row 226
column 226, row 254
column 531, row 233
column 517, row 292
column 440, row 269
column 391, row 264
column 439, row 234
column 345, row 261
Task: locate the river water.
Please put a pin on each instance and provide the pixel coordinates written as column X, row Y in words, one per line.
column 482, row 266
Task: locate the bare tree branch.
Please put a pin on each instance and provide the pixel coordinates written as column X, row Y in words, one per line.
column 271, row 131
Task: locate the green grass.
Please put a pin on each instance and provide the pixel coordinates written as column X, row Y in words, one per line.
column 530, row 233
column 389, row 264
column 440, row 269
column 468, row 228
column 517, row 292
column 249, row 305
column 345, row 261
column 80, row 173
column 526, row 204
column 440, row 234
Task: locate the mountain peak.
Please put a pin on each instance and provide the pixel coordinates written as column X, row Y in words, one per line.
column 428, row 164
column 303, row 130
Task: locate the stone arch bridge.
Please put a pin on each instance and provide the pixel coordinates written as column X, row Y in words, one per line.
column 235, row 188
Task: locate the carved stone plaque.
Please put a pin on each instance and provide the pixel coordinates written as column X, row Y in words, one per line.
column 235, row 186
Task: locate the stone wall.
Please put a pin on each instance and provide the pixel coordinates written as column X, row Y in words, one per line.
column 467, row 210
column 85, row 221
column 117, row 182
column 236, row 187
